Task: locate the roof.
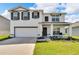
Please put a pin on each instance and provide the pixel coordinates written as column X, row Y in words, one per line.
column 23, row 8
column 34, row 10
column 54, row 13
column 17, row 8
column 55, row 23
column 4, row 17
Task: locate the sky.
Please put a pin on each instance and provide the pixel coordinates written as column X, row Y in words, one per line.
column 72, row 9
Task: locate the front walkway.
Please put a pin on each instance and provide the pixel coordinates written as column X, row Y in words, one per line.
column 17, row 46
column 17, row 49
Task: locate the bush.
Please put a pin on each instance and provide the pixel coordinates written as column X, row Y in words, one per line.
column 55, row 38
column 3, row 37
column 40, row 37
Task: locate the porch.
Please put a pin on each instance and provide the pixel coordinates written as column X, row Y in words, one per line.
column 54, row 29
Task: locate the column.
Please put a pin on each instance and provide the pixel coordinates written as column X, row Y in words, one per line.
column 51, row 30
column 20, row 15
column 40, row 29
column 70, row 30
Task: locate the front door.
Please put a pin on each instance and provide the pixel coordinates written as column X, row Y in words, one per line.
column 44, row 33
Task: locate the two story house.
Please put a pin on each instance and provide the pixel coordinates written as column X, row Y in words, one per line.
column 33, row 23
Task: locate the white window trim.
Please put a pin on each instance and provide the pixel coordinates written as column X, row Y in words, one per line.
column 55, row 18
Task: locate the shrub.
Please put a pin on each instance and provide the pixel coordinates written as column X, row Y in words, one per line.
column 3, row 37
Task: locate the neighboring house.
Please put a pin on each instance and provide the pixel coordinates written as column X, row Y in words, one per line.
column 4, row 25
column 33, row 23
column 75, row 29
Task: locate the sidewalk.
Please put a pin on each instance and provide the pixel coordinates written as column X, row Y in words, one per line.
column 17, row 49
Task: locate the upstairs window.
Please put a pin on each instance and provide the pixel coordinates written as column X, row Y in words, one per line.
column 46, row 18
column 35, row 14
column 25, row 15
column 15, row 15
column 55, row 18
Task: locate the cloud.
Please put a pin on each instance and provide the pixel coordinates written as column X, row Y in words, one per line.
column 72, row 18
column 6, row 14
column 47, row 7
column 72, row 10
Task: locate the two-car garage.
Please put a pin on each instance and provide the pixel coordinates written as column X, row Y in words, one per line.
column 26, row 31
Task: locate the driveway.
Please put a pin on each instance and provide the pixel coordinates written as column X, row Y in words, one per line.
column 19, row 40
column 17, row 46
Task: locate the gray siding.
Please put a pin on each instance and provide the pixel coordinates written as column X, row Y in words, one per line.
column 4, row 25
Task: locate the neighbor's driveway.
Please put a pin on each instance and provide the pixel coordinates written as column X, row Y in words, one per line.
column 17, row 46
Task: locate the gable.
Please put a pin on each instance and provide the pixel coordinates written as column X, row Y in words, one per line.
column 19, row 9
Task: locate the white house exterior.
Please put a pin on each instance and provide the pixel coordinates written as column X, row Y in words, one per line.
column 33, row 23
column 4, row 25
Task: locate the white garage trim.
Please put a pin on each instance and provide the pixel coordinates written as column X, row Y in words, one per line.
column 29, row 31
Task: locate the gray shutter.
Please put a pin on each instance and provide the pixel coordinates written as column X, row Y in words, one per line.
column 11, row 15
column 22, row 15
column 32, row 14
column 38, row 15
column 28, row 15
column 18, row 16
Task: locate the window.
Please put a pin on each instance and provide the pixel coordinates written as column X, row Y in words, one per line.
column 55, row 18
column 25, row 15
column 56, row 31
column 46, row 18
column 35, row 14
column 15, row 15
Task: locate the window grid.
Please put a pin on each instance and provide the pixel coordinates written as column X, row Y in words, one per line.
column 35, row 14
column 55, row 18
column 15, row 15
column 25, row 15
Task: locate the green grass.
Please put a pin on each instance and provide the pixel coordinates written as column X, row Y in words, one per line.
column 76, row 37
column 57, row 47
column 3, row 37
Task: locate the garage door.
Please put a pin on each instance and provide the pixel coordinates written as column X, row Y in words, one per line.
column 26, row 32
column 75, row 31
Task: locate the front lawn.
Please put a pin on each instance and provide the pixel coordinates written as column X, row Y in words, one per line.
column 76, row 37
column 57, row 47
column 3, row 37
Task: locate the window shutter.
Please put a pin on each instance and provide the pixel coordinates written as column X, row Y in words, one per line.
column 32, row 14
column 28, row 15
column 38, row 15
column 11, row 15
column 18, row 16
column 22, row 15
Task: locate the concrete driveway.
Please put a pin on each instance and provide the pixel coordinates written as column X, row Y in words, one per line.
column 19, row 40
column 17, row 46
